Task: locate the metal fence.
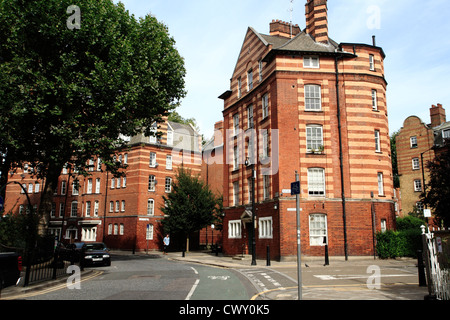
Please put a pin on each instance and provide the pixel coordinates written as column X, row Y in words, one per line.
column 42, row 263
column 436, row 252
column 46, row 269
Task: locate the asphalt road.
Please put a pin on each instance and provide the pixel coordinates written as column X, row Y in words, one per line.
column 152, row 277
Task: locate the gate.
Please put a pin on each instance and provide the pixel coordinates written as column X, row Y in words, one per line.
column 436, row 251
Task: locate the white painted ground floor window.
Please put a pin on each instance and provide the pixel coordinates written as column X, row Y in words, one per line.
column 234, row 229
column 265, row 228
column 317, row 229
column 89, row 234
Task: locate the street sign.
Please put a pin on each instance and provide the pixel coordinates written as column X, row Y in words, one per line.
column 427, row 213
column 295, row 188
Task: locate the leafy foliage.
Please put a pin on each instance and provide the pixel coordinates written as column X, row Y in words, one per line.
column 67, row 95
column 191, row 205
column 437, row 190
column 401, row 243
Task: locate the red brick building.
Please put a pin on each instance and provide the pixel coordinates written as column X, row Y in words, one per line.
column 417, row 143
column 123, row 212
column 301, row 102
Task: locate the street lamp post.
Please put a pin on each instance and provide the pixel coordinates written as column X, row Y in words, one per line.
column 247, row 163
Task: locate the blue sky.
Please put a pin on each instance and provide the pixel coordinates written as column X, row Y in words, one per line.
column 414, row 34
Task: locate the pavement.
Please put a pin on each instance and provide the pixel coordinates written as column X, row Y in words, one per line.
column 354, row 279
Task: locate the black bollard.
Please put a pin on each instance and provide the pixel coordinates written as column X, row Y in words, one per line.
column 268, row 256
column 421, row 269
column 327, row 261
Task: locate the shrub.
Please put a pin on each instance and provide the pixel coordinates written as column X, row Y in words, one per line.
column 409, row 222
column 393, row 244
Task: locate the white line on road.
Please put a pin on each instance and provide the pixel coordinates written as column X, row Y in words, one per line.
column 348, row 277
column 192, row 289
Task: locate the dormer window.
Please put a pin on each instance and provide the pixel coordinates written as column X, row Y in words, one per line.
column 311, row 62
column 169, row 137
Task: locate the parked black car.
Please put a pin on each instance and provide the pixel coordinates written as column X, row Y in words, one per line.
column 10, row 268
column 71, row 252
column 96, row 253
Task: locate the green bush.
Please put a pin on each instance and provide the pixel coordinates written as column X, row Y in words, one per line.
column 409, row 222
column 403, row 243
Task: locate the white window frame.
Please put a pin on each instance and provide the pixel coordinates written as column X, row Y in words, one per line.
column 374, row 100
column 169, row 137
column 152, row 161
column 122, row 206
column 250, row 116
column 380, row 179
column 249, row 80
column 417, row 185
column 383, row 225
column 74, row 209
column 377, row 141
column 316, row 182
column 415, row 163
column 151, row 183
column 150, row 207
column 89, row 186
column 168, row 162
column 61, row 209
column 88, row 209
column 236, row 124
column 234, row 229
column 63, row 187
column 235, row 157
column 313, row 97
column 413, row 142
column 265, row 152
column 314, row 137
column 266, row 187
column 371, row 62
column 97, row 185
column 154, row 131
column 265, row 105
column 312, row 62
column 260, row 67
column 168, row 185
column 318, row 229
column 265, row 228
column 239, row 87
column 149, row 232
column 96, row 208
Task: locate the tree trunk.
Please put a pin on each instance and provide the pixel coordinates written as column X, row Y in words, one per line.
column 51, row 181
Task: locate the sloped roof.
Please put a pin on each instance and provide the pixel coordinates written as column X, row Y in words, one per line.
column 302, row 42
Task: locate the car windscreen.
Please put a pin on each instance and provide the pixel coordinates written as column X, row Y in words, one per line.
column 95, row 246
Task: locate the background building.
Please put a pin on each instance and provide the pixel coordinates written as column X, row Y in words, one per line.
column 417, row 143
column 124, row 212
column 301, row 102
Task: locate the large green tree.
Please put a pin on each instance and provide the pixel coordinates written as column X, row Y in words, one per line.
column 191, row 206
column 75, row 78
column 437, row 190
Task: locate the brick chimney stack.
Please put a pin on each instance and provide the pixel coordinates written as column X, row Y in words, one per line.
column 283, row 29
column 317, row 20
column 437, row 115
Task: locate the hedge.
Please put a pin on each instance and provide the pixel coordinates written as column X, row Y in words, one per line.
column 402, row 243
